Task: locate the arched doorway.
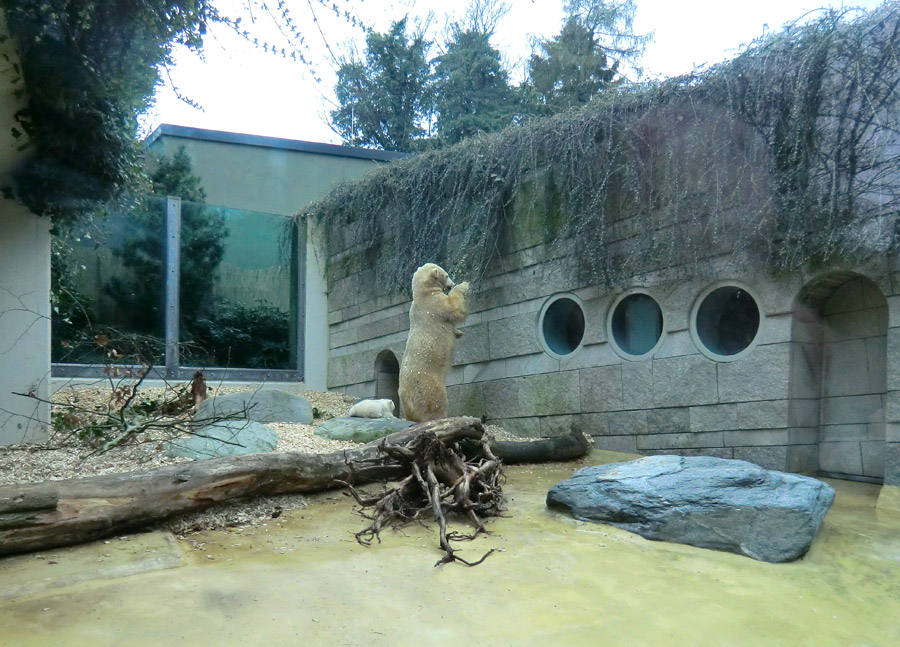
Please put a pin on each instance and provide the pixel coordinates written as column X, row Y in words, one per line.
column 387, row 378
column 839, row 375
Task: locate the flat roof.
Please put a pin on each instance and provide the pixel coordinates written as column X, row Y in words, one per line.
column 318, row 148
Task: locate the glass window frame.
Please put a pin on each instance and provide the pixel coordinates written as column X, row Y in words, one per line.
column 695, row 308
column 173, row 369
column 540, row 325
column 617, row 349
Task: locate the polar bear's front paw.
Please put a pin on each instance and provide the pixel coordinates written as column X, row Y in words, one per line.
column 462, row 288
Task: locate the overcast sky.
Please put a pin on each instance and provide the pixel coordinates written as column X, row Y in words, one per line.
column 242, row 89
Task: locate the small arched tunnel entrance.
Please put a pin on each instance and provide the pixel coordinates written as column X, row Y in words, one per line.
column 839, row 378
column 387, row 378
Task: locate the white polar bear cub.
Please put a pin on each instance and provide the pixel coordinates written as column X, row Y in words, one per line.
column 383, row 408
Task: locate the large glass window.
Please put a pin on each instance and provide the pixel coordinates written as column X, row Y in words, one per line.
column 235, row 289
column 180, row 286
column 109, row 281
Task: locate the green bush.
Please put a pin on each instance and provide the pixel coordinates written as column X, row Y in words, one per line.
column 242, row 337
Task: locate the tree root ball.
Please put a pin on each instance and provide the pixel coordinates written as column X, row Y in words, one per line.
column 442, row 482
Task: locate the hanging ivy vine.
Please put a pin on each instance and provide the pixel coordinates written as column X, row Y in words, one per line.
column 786, row 153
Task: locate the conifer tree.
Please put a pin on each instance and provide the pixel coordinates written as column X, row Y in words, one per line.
column 384, row 99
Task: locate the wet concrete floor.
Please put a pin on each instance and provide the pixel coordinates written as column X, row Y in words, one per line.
column 303, row 580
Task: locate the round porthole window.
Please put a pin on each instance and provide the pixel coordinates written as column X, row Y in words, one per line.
column 726, row 321
column 636, row 325
column 561, row 325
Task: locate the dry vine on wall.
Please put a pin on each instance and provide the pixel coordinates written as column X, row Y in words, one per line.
column 782, row 155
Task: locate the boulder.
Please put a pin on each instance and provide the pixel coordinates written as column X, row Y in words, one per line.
column 360, row 430
column 716, row 503
column 265, row 405
column 224, row 438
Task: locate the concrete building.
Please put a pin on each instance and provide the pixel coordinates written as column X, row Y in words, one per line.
column 246, row 172
column 266, row 174
column 275, row 176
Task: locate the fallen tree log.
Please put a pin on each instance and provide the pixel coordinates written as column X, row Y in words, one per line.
column 37, row 516
column 573, row 445
column 50, row 514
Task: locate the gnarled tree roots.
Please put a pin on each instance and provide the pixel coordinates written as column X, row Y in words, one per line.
column 447, row 477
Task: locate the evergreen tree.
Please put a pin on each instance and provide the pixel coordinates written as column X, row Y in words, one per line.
column 612, row 22
column 385, row 99
column 472, row 91
column 572, row 69
column 584, row 58
column 175, row 176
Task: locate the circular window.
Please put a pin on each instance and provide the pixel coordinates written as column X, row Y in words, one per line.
column 635, row 325
column 561, row 325
column 725, row 321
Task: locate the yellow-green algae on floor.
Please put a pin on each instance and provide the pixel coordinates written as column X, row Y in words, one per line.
column 302, row 580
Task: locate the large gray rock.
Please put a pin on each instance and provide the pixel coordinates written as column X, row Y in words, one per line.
column 716, row 503
column 225, row 438
column 360, row 430
column 265, row 405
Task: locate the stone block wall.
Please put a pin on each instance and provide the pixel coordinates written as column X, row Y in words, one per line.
column 814, row 393
column 817, row 390
column 854, row 381
column 678, row 401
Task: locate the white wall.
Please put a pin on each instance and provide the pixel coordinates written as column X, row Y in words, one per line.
column 24, row 324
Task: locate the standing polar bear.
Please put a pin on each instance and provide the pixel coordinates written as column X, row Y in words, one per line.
column 433, row 318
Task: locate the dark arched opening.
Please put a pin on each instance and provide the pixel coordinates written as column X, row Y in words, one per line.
column 387, row 378
column 839, row 376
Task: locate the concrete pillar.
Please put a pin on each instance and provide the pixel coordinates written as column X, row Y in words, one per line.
column 24, row 324
column 315, row 370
